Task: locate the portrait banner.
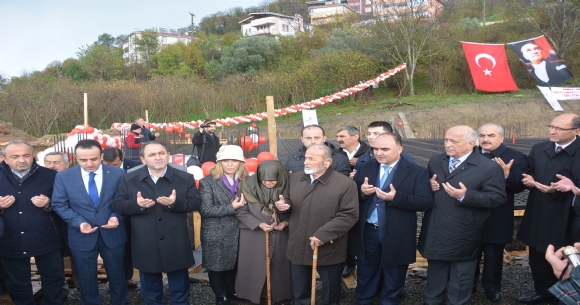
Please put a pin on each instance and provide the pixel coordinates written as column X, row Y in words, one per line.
column 489, row 67
column 540, row 59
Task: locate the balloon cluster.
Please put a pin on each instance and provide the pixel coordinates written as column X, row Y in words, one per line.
column 251, row 164
column 81, row 132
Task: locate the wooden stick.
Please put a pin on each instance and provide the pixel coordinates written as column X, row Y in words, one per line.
column 314, row 263
column 272, row 126
column 268, row 287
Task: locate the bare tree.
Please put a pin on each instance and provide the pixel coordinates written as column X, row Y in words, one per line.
column 403, row 29
column 559, row 21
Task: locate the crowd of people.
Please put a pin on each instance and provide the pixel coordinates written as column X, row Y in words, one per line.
column 346, row 208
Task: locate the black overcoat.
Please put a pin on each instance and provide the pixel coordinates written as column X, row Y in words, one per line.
column 546, row 217
column 453, row 230
column 159, row 235
column 500, row 224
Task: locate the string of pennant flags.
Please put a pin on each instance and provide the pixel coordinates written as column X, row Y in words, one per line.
column 278, row 112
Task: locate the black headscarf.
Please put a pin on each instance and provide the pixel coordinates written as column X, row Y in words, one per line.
column 257, row 194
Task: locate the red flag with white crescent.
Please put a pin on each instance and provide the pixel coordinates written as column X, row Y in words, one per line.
column 489, row 67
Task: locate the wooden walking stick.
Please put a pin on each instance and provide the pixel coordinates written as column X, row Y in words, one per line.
column 314, row 263
column 268, row 287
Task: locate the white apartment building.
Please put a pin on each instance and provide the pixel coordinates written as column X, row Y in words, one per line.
column 165, row 36
column 272, row 24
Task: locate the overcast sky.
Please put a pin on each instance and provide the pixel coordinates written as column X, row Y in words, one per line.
column 34, row 33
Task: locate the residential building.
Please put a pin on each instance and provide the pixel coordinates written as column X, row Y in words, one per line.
column 165, row 36
column 272, row 24
column 327, row 11
column 395, row 9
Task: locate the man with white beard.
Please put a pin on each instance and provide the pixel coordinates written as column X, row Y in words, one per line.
column 324, row 206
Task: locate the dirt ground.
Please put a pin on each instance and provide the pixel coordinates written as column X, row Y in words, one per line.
column 523, row 119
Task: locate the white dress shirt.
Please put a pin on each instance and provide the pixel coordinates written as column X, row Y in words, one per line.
column 98, row 178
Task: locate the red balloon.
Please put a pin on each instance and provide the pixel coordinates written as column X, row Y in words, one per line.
column 169, row 129
column 104, row 145
column 76, row 130
column 247, row 143
column 265, row 155
column 262, row 140
column 96, row 138
column 197, row 183
column 88, row 129
column 252, row 164
column 180, row 131
column 206, row 167
column 399, row 123
column 187, row 136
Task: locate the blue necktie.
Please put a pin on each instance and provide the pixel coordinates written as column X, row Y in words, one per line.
column 93, row 192
column 374, row 218
column 453, row 165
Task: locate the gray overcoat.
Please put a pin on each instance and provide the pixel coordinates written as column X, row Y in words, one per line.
column 251, row 274
column 219, row 226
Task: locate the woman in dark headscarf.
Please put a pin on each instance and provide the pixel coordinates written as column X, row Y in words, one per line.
column 261, row 191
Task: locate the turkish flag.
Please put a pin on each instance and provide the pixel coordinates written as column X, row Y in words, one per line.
column 489, row 67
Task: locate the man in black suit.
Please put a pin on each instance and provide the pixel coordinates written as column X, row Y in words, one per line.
column 500, row 225
column 206, row 142
column 466, row 185
column 547, row 210
column 114, row 157
column 391, row 191
column 147, row 135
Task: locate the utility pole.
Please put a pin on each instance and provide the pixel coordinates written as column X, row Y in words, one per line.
column 192, row 15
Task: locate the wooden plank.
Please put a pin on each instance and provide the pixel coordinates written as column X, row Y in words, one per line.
column 199, row 278
column 408, row 131
column 196, row 230
column 350, row 281
column 519, row 213
column 272, row 126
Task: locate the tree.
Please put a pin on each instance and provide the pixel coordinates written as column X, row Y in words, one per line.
column 559, row 21
column 403, row 29
column 101, row 62
column 73, row 70
column 106, row 40
column 121, row 39
column 147, row 45
column 250, row 54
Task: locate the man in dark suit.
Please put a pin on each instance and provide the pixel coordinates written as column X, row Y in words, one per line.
column 206, row 142
column 83, row 197
column 466, row 186
column 391, row 191
column 114, row 157
column 30, row 226
column 500, row 225
column 547, row 210
column 158, row 198
column 147, row 135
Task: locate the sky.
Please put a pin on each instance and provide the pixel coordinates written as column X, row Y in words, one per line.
column 34, row 33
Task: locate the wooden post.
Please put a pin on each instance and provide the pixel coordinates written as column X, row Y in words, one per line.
column 272, row 126
column 147, row 116
column 86, row 111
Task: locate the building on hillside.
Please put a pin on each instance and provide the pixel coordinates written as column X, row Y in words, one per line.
column 396, row 9
column 362, row 7
column 327, row 11
column 272, row 24
column 165, row 36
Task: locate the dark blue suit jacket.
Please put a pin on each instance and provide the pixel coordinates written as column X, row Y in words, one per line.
column 398, row 225
column 128, row 164
column 71, row 202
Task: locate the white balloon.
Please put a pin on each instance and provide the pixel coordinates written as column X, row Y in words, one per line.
column 196, row 171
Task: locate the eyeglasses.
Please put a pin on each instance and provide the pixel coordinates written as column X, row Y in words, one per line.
column 559, row 128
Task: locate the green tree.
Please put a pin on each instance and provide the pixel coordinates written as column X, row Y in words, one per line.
column 147, row 45
column 251, row 54
column 73, row 70
column 101, row 62
column 106, row 40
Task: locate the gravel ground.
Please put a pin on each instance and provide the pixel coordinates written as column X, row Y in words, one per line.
column 517, row 281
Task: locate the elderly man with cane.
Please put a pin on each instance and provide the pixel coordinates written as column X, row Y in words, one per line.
column 324, row 206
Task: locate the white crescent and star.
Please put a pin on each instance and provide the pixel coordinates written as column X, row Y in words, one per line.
column 484, row 55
